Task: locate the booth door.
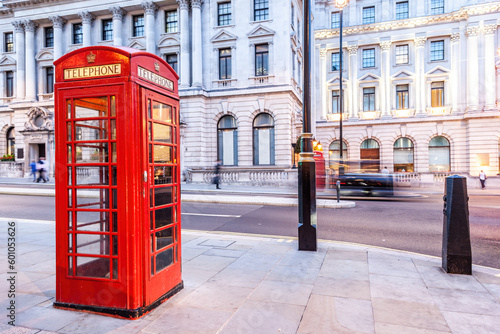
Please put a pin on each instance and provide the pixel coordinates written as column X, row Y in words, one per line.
column 88, row 200
column 162, row 214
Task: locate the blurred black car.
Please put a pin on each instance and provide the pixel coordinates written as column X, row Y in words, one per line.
column 374, row 184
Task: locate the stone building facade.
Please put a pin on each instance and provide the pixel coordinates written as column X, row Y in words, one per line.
column 421, row 84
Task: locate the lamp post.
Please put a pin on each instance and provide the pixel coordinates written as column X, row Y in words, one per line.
column 340, row 4
column 307, row 170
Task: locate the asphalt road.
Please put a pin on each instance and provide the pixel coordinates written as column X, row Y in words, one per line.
column 411, row 225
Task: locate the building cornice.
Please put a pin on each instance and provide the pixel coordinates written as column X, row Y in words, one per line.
column 461, row 15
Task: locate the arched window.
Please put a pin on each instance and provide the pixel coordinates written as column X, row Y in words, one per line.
column 227, row 141
column 370, row 156
column 403, row 155
column 439, row 154
column 263, row 140
column 334, row 153
column 11, row 141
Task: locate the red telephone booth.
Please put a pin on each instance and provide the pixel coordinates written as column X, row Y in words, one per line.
column 320, row 169
column 118, row 217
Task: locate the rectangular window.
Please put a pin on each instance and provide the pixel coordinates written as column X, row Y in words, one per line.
column 336, row 61
column 335, row 20
column 9, row 84
column 437, row 7
column 368, row 58
column 402, row 10
column 437, row 50
column 401, row 97
column 107, row 29
column 172, row 61
column 77, row 33
column 369, row 99
column 49, row 80
column 368, row 15
column 171, row 21
column 437, row 94
column 9, row 42
column 138, row 26
column 402, row 56
column 224, row 12
column 261, row 60
column 224, row 64
column 261, row 10
column 49, row 37
column 335, row 101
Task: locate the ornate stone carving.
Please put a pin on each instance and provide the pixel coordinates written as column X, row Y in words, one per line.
column 183, row 4
column 30, row 25
column 86, row 16
column 455, row 37
column 117, row 12
column 39, row 118
column 322, row 53
column 490, row 29
column 420, row 42
column 352, row 50
column 196, row 3
column 18, row 26
column 57, row 21
column 150, row 7
column 385, row 45
column 472, row 31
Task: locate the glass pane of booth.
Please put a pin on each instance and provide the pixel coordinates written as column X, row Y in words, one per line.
column 163, row 174
column 92, row 266
column 164, row 259
column 92, row 175
column 96, row 129
column 164, row 238
column 163, row 154
column 163, row 196
column 95, row 221
column 91, row 153
column 162, row 133
column 92, row 198
column 162, row 112
column 91, row 107
column 97, row 244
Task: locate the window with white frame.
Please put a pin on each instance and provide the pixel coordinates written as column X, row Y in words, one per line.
column 171, row 21
column 49, row 80
column 8, row 42
column 263, row 140
column 368, row 15
column 437, row 50
column 49, row 37
column 171, row 59
column 9, row 83
column 261, row 10
column 77, row 33
column 402, row 97
column 224, row 13
column 439, row 154
column 336, row 101
column 437, row 7
column 335, row 20
column 437, row 94
column 369, row 99
column 138, row 25
column 107, row 29
column 368, row 58
column 261, row 60
column 403, row 155
column 227, row 141
column 402, row 11
column 225, row 64
column 336, row 61
column 402, row 54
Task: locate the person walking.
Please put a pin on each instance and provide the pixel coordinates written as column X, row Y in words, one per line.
column 482, row 179
column 40, row 166
column 217, row 175
column 33, row 169
column 385, row 171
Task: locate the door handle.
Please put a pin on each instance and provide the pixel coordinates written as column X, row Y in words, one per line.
column 145, row 176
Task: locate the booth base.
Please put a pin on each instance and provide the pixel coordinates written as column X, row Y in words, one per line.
column 118, row 312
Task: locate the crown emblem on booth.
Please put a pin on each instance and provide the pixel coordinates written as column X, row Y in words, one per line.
column 157, row 66
column 91, row 57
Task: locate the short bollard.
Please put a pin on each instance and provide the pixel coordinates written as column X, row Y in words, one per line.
column 457, row 255
column 338, row 191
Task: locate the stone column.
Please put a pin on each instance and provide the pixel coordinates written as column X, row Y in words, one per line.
column 420, row 92
column 197, row 44
column 87, row 19
column 20, row 60
column 118, row 14
column 489, row 67
column 352, row 13
column 30, row 27
column 386, row 10
column 58, row 23
column 322, row 81
column 353, row 79
column 184, row 67
column 385, row 84
column 150, row 9
column 455, row 72
column 472, row 69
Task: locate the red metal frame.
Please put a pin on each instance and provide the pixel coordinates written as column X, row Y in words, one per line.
column 98, row 150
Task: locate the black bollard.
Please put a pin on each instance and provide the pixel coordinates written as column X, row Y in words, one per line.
column 457, row 254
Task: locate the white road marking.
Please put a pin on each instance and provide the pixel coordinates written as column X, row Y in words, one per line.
column 210, row 215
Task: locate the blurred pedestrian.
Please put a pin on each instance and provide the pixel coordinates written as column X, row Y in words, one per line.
column 216, row 179
column 385, row 171
column 482, row 178
column 42, row 169
column 33, row 169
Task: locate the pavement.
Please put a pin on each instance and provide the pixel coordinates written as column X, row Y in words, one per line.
column 236, row 283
